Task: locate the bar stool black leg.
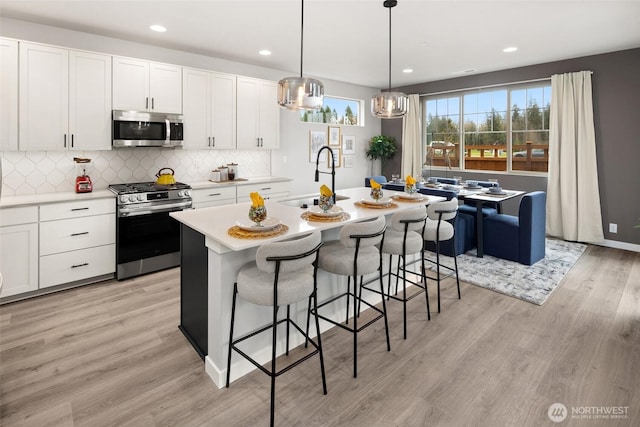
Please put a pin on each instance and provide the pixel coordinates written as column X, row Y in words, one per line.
column 349, row 290
column 426, row 290
column 384, row 310
column 355, row 328
column 404, row 293
column 233, row 315
column 389, row 278
column 315, row 308
column 438, row 270
column 306, row 337
column 273, row 363
column 288, row 317
column 455, row 262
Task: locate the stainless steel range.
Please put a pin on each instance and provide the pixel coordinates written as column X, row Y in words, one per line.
column 147, row 238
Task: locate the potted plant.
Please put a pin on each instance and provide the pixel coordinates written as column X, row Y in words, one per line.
column 383, row 148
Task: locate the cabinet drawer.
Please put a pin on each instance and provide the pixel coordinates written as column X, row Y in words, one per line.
column 77, row 265
column 266, row 196
column 78, row 233
column 206, row 195
column 77, row 209
column 18, row 215
column 265, row 188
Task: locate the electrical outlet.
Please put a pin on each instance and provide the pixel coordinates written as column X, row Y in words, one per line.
column 613, row 228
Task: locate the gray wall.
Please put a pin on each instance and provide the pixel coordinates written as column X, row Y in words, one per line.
column 616, row 91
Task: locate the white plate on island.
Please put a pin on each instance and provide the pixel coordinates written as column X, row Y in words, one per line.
column 380, row 202
column 414, row 196
column 334, row 211
column 268, row 224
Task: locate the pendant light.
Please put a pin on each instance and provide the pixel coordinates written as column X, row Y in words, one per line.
column 389, row 105
column 300, row 93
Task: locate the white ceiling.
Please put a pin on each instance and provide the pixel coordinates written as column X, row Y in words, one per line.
column 347, row 40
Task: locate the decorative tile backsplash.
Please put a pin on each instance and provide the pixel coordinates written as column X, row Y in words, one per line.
column 37, row 172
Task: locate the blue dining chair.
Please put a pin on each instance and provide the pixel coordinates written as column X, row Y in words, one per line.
column 518, row 238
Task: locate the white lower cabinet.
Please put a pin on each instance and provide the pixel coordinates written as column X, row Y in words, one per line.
column 77, row 241
column 271, row 190
column 207, row 197
column 77, row 265
column 19, row 250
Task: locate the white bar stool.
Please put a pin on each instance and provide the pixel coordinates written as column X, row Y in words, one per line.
column 355, row 255
column 403, row 238
column 282, row 274
column 439, row 228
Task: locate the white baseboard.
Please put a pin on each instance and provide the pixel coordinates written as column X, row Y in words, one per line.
column 621, row 245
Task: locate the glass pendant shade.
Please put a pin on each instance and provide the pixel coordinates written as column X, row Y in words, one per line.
column 389, row 105
column 300, row 93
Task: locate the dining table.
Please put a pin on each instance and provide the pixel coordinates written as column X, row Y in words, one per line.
column 482, row 195
column 478, row 195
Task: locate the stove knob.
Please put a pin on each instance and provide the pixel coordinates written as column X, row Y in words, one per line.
column 181, row 193
column 132, row 198
column 187, row 193
column 139, row 197
column 123, row 199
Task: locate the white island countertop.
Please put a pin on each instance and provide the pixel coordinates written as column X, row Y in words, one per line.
column 214, row 222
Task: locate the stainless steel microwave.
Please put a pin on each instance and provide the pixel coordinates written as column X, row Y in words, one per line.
column 142, row 129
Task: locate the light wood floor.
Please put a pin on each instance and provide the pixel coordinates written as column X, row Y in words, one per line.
column 110, row 354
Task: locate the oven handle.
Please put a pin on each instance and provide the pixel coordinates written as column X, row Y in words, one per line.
column 153, row 209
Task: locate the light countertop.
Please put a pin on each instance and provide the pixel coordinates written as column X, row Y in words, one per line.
column 214, row 222
column 69, row 196
column 40, row 199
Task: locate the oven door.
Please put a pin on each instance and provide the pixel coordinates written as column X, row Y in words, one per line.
column 147, row 231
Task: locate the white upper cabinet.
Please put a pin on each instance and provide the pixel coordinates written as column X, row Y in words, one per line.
column 65, row 99
column 89, row 101
column 44, row 97
column 8, row 95
column 146, row 86
column 258, row 114
column 209, row 109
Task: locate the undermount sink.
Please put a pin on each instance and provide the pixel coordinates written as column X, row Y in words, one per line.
column 305, row 202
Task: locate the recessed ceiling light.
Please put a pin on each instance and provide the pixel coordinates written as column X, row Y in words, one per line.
column 265, row 52
column 509, row 49
column 158, row 28
column 408, row 70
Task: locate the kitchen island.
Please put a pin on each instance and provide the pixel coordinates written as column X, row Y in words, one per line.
column 211, row 259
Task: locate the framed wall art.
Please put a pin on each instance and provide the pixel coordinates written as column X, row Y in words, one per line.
column 337, row 157
column 334, row 136
column 347, row 161
column 348, row 144
column 317, row 139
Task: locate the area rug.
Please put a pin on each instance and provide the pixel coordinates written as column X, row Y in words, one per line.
column 532, row 283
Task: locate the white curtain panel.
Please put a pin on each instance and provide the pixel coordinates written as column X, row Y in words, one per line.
column 573, row 199
column 412, row 139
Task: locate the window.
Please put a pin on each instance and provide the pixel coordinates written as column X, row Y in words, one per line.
column 339, row 111
column 502, row 129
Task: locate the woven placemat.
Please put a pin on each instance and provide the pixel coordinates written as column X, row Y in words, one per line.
column 407, row 200
column 368, row 206
column 315, row 218
column 239, row 233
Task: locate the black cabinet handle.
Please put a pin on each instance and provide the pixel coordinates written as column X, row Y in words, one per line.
column 80, row 265
column 79, row 209
column 80, row 234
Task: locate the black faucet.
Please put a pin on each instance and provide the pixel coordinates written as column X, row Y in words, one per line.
column 333, row 171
